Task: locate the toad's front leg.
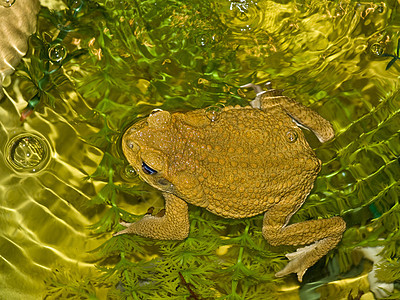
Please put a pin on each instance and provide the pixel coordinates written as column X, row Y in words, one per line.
column 173, row 225
column 322, row 234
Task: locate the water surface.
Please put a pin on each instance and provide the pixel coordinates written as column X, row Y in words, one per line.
column 142, row 55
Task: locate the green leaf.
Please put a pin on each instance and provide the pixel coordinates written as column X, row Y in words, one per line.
column 391, row 63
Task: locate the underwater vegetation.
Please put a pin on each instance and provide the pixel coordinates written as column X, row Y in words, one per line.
column 102, row 65
column 395, row 57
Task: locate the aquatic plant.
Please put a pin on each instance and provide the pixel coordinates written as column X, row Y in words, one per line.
column 49, row 57
column 395, row 57
column 121, row 59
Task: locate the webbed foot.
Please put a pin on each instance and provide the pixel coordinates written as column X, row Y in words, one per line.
column 300, row 261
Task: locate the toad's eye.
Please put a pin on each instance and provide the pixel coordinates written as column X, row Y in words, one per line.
column 147, row 169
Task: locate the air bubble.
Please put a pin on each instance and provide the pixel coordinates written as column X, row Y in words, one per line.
column 213, row 112
column 57, row 53
column 7, row 3
column 376, row 49
column 76, row 5
column 129, row 172
column 27, row 153
column 339, row 11
column 291, row 136
column 202, row 40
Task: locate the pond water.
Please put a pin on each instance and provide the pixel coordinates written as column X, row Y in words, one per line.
column 94, row 67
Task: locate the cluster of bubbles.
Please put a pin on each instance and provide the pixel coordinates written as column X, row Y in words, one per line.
column 245, row 16
column 207, row 38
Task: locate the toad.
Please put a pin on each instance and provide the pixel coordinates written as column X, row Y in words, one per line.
column 237, row 163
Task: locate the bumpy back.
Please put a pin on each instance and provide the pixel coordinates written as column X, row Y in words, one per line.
column 17, row 23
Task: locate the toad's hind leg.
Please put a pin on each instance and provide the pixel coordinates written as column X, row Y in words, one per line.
column 173, row 225
column 324, row 234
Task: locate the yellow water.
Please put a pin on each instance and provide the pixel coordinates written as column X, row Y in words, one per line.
column 43, row 217
column 326, row 54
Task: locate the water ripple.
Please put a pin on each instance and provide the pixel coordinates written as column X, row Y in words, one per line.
column 326, row 54
column 43, row 216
